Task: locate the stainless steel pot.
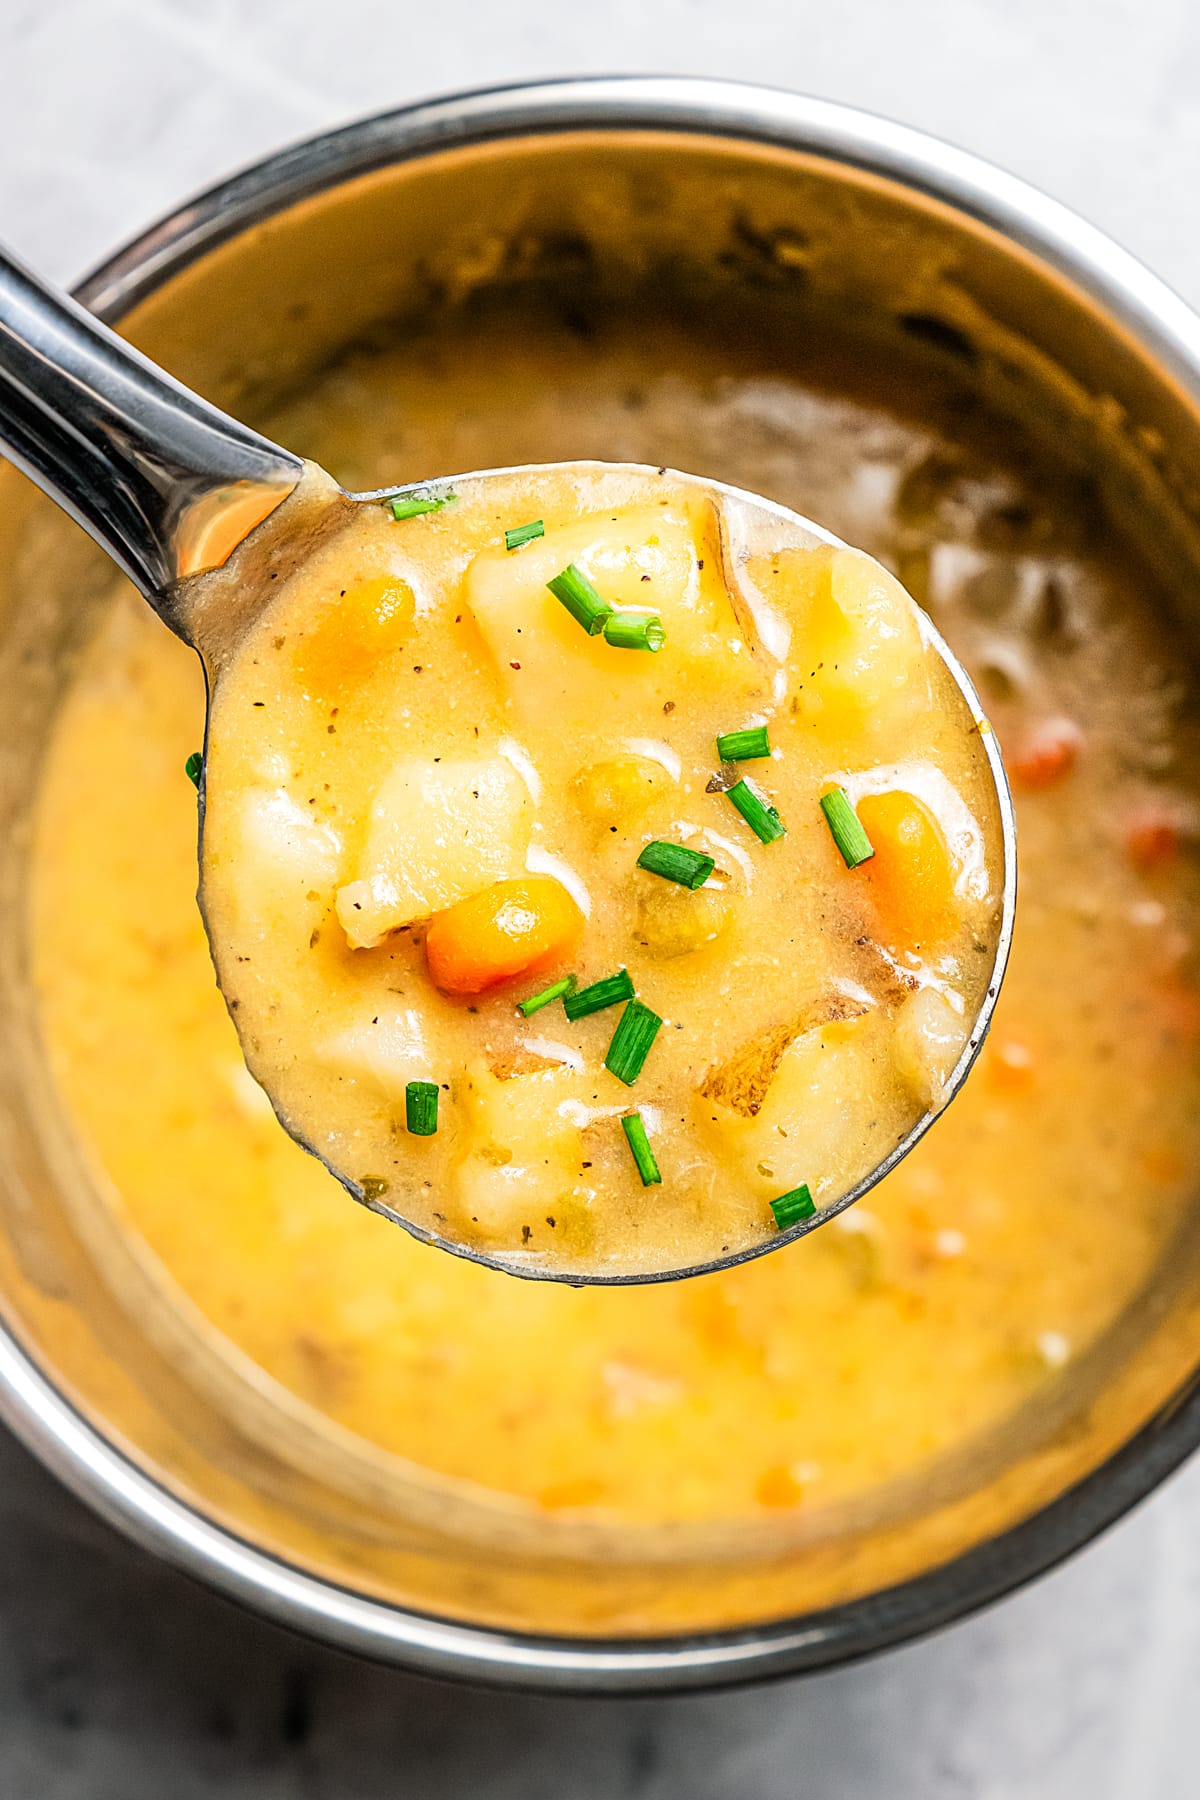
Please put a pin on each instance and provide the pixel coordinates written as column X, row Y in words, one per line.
column 242, row 292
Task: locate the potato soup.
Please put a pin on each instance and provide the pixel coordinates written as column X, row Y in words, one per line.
column 933, row 1310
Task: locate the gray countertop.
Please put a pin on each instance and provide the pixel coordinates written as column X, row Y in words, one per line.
column 119, row 1680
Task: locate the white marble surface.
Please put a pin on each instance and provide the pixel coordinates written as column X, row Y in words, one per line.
column 121, row 1681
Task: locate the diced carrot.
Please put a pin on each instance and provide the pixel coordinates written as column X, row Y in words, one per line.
column 911, row 876
column 367, row 622
column 510, row 928
column 1046, row 754
column 1152, row 838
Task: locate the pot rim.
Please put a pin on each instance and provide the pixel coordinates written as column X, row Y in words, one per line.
column 92, row 1466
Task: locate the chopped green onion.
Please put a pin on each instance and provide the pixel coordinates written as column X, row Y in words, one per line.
column 848, row 834
column 675, row 862
column 415, row 504
column 789, row 1209
column 554, row 992
column 604, row 993
column 193, row 767
column 420, row 1107
column 581, row 600
column 762, row 819
column 636, row 1030
column 374, row 1187
column 635, row 1132
column 743, row 746
column 634, row 631
column 524, row 534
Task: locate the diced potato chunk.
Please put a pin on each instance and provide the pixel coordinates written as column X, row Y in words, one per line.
column 283, row 858
column 808, row 1127
column 386, row 1051
column 523, row 1150
column 929, row 1040
column 619, row 790
column 644, row 558
column 673, row 921
column 437, row 832
column 859, row 653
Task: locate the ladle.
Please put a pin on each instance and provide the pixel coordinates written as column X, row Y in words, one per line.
column 170, row 486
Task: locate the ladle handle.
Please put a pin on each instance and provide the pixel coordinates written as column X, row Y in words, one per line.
column 147, row 467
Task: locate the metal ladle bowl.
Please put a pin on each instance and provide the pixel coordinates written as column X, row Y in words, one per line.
column 169, row 486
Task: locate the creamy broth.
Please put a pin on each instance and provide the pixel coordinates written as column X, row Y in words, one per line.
column 1000, row 1249
column 429, row 791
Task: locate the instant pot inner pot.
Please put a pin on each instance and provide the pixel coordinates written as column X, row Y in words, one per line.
column 773, row 248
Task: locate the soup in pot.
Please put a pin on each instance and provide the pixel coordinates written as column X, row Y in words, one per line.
column 995, row 1254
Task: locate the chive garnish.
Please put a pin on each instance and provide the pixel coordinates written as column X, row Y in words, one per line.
column 608, row 992
column 762, row 819
column 581, row 600
column 675, row 862
column 554, row 992
column 634, row 1128
column 634, row 631
column 524, row 534
column 374, row 1187
column 193, row 766
column 848, row 834
column 415, row 504
column 420, row 1107
column 743, row 746
column 789, row 1209
column 636, row 1030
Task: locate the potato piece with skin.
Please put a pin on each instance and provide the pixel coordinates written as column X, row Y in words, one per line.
column 808, row 1127
column 510, row 928
column 645, row 558
column 522, row 1153
column 742, row 1080
column 929, row 1039
column 438, row 831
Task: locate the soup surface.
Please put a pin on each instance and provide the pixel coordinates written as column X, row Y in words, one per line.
column 542, row 935
column 995, row 1254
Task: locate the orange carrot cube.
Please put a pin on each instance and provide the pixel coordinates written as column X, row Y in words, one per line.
column 510, row 928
